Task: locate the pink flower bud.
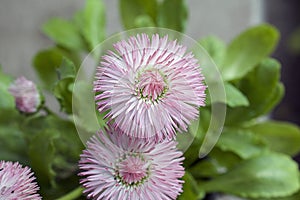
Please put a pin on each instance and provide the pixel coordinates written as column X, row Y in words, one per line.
column 26, row 95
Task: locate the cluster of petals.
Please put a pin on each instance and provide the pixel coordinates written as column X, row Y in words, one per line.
column 115, row 166
column 17, row 182
column 150, row 87
column 26, row 95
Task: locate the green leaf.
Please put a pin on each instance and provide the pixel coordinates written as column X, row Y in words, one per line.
column 64, row 33
column 7, row 101
column 247, row 50
column 242, row 142
column 197, row 128
column 63, row 92
column 218, row 162
column 279, row 136
column 93, row 22
column 13, row 146
column 45, row 64
column 64, row 87
column 190, row 188
column 42, row 154
column 66, row 69
column 143, row 21
column 265, row 176
column 61, row 140
column 5, row 80
column 263, row 92
column 295, row 196
column 67, row 133
column 173, row 14
column 85, row 114
column 234, row 97
column 132, row 10
column 215, row 47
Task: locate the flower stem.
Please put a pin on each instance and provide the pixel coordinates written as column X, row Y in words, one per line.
column 72, row 195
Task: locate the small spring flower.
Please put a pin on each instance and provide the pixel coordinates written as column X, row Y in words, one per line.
column 151, row 88
column 26, row 95
column 115, row 166
column 17, row 183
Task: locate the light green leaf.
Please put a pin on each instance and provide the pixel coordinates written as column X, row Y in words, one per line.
column 45, row 64
column 173, row 14
column 295, row 196
column 93, row 22
column 234, row 97
column 131, row 10
column 247, row 50
column 265, row 176
column 42, row 154
column 190, row 188
column 66, row 69
column 279, row 136
column 263, row 90
column 215, row 47
column 242, row 142
column 7, row 101
column 143, row 21
column 5, row 80
column 64, row 33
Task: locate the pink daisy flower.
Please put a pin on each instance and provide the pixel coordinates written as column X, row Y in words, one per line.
column 17, row 182
column 26, row 95
column 151, row 88
column 118, row 167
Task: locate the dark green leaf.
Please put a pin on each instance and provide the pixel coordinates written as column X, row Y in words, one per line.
column 63, row 92
column 247, row 50
column 197, row 128
column 279, row 136
column 242, row 142
column 190, row 188
column 173, row 14
column 265, row 176
column 13, row 146
column 64, row 33
column 131, row 10
column 45, row 63
column 42, row 154
column 215, row 47
column 217, row 162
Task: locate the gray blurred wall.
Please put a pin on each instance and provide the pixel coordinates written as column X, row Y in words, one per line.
column 20, row 22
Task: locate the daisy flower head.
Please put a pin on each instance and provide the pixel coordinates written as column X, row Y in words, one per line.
column 26, row 95
column 151, row 87
column 17, row 182
column 115, row 166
